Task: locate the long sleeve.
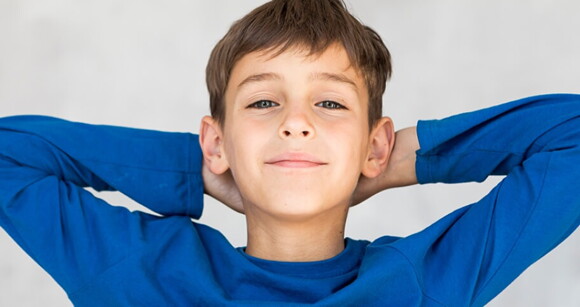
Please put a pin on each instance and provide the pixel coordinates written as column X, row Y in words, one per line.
column 160, row 170
column 479, row 249
column 46, row 162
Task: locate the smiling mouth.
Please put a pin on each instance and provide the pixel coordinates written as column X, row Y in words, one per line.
column 296, row 163
column 295, row 160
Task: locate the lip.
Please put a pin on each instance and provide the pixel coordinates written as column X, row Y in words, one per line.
column 295, row 160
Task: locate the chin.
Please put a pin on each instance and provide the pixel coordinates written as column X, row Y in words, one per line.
column 301, row 209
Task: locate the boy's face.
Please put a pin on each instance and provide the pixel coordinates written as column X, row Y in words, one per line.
column 296, row 131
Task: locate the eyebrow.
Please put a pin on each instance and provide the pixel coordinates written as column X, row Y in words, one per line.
column 325, row 76
column 260, row 77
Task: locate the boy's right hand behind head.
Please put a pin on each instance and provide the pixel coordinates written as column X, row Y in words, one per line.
column 223, row 188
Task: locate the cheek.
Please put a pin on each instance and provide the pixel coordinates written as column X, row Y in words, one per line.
column 243, row 144
column 350, row 149
column 351, row 139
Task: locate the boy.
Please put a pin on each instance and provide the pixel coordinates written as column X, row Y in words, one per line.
column 296, row 121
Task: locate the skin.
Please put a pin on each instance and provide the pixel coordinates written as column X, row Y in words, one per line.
column 295, row 151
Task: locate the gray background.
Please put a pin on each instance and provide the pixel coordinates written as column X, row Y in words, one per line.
column 141, row 64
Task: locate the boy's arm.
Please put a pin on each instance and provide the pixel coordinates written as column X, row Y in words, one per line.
column 159, row 170
column 475, row 252
column 74, row 236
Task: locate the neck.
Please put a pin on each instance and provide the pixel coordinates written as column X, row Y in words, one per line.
column 292, row 240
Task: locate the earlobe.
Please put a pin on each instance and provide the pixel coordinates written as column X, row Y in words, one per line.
column 381, row 142
column 211, row 142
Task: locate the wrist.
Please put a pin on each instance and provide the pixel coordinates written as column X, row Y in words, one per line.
column 400, row 170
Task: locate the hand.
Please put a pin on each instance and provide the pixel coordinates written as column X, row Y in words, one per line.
column 400, row 170
column 223, row 188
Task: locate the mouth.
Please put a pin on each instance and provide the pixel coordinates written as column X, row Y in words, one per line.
column 295, row 160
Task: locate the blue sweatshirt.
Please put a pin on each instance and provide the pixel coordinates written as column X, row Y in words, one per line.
column 104, row 255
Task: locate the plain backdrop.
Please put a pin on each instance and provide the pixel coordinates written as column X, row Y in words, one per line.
column 141, row 64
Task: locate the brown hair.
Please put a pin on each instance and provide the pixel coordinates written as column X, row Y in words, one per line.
column 311, row 24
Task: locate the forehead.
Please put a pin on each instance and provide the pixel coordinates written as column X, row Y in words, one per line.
column 332, row 64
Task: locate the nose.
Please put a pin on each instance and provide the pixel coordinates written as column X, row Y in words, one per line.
column 296, row 124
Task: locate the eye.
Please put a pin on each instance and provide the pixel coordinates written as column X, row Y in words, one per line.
column 329, row 104
column 263, row 104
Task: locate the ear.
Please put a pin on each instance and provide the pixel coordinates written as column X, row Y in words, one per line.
column 211, row 142
column 381, row 142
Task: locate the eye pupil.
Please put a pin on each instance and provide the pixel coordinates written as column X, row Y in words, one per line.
column 262, row 104
column 330, row 104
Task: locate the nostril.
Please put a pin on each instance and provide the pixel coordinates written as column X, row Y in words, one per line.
column 288, row 133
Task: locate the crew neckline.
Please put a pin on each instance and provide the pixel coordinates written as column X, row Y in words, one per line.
column 346, row 261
